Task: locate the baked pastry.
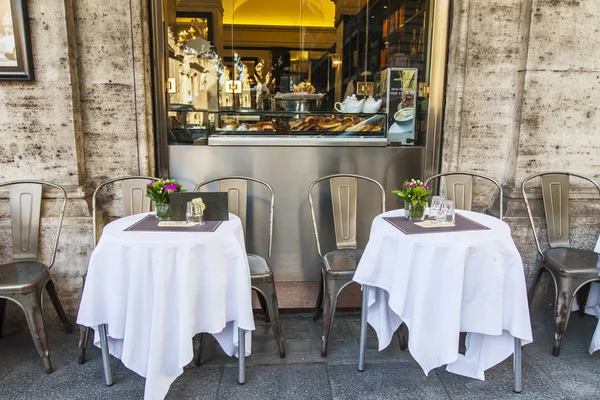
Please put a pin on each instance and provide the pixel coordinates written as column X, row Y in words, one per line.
column 304, row 87
column 328, row 123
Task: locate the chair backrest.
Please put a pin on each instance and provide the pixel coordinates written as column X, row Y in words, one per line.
column 344, row 201
column 25, row 211
column 555, row 194
column 459, row 189
column 134, row 197
column 237, row 197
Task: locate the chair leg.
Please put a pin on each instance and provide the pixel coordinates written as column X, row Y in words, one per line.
column 402, row 333
column 2, row 314
column 538, row 278
column 565, row 296
column 84, row 334
column 51, row 289
column 319, row 303
column 332, row 289
column 582, row 297
column 199, row 341
column 263, row 306
column 270, row 297
column 32, row 304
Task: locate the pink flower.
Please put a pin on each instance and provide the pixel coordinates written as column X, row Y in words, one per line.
column 171, row 187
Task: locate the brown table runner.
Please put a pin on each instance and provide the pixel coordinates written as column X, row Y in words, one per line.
column 150, row 224
column 461, row 224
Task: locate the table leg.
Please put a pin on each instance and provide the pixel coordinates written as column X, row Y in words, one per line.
column 517, row 365
column 363, row 327
column 105, row 355
column 241, row 356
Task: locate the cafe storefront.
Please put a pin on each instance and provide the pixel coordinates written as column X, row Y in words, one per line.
column 291, row 94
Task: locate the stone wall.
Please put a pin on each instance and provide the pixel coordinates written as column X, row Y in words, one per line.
column 522, row 98
column 86, row 117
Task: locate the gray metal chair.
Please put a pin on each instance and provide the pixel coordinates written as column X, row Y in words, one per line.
column 263, row 282
column 338, row 266
column 459, row 188
column 23, row 280
column 134, row 202
column 571, row 269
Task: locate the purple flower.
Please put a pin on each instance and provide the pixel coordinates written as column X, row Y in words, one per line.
column 150, row 184
column 426, row 187
column 171, row 187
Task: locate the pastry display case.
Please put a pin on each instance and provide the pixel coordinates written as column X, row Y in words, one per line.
column 260, row 127
column 286, row 123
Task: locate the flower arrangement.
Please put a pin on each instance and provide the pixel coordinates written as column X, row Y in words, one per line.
column 415, row 195
column 160, row 190
column 415, row 192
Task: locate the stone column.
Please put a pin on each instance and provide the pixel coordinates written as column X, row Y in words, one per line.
column 40, row 123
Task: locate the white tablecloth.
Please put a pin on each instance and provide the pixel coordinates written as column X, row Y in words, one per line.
column 157, row 290
column 442, row 284
column 592, row 307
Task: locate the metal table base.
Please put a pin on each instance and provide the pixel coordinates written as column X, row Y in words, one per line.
column 241, row 356
column 106, row 356
column 363, row 338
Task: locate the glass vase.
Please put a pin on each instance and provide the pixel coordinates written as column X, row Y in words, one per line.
column 163, row 211
column 414, row 212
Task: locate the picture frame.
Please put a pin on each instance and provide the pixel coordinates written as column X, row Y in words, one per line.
column 15, row 45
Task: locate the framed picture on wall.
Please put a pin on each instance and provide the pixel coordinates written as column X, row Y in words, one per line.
column 15, row 46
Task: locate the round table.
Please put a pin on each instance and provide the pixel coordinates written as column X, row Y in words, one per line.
column 441, row 284
column 155, row 290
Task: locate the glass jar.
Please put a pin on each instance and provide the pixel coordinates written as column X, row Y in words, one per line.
column 163, row 211
column 414, row 212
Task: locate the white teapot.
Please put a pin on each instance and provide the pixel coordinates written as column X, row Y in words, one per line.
column 371, row 105
column 350, row 105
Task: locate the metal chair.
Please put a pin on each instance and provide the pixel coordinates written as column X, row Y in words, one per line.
column 338, row 266
column 262, row 280
column 23, row 280
column 571, row 269
column 134, row 202
column 459, row 188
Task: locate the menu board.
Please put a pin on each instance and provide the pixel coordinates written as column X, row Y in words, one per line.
column 398, row 89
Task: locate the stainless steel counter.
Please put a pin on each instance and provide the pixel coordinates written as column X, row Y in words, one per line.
column 290, row 170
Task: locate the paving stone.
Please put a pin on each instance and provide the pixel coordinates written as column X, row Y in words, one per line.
column 304, row 373
column 263, row 346
column 385, row 381
column 499, row 383
column 196, row 383
column 298, row 346
column 277, row 382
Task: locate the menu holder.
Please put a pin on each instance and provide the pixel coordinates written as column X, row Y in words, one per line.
column 151, row 224
column 461, row 224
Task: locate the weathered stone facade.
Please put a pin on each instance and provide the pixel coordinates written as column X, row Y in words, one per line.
column 522, row 97
column 85, row 118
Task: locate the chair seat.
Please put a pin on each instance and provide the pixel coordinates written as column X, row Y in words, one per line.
column 259, row 269
column 568, row 261
column 342, row 263
column 22, row 276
